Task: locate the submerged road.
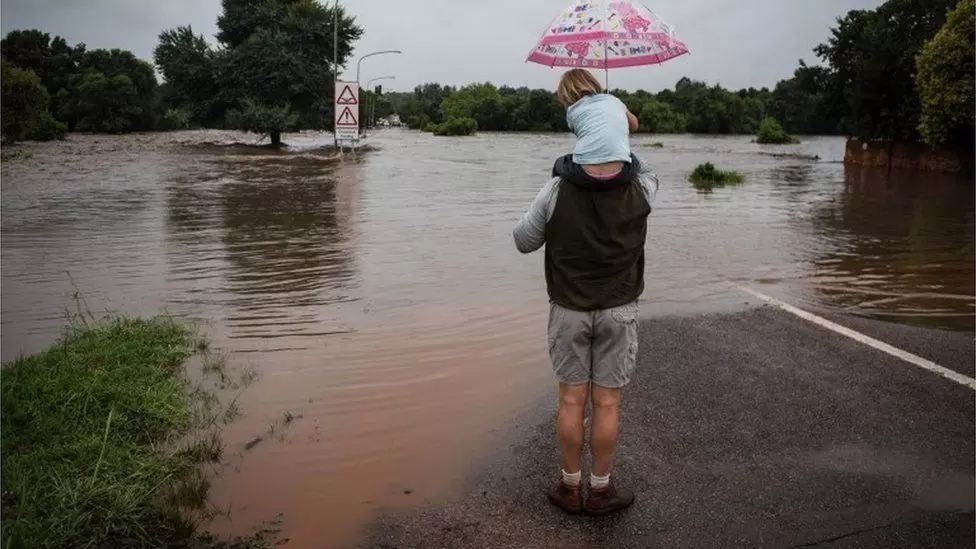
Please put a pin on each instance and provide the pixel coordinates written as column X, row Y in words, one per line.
column 755, row 429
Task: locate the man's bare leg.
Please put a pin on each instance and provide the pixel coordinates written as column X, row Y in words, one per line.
column 606, row 405
column 569, row 425
column 604, row 496
column 569, row 430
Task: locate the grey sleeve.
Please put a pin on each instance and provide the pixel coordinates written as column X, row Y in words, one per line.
column 649, row 183
column 530, row 233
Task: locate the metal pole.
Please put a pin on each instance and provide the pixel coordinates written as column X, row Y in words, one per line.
column 358, row 63
column 606, row 68
column 372, row 104
column 335, row 63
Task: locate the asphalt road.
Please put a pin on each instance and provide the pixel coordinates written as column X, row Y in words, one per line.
column 756, row 429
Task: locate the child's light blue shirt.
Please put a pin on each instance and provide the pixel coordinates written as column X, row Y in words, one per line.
column 600, row 124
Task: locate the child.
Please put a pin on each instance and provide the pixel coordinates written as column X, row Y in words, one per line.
column 602, row 125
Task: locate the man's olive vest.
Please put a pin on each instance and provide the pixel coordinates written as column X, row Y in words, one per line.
column 595, row 238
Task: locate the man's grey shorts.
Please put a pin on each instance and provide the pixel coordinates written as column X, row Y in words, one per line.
column 593, row 346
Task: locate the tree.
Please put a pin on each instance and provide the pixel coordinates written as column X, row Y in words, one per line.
column 61, row 66
column 188, row 64
column 871, row 55
column 658, row 117
column 481, row 102
column 24, row 103
column 140, row 113
column 27, row 49
column 107, row 104
column 946, row 80
column 277, row 63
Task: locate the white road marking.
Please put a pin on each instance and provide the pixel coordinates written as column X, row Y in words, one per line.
column 866, row 340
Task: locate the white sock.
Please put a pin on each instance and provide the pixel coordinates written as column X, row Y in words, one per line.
column 599, row 483
column 572, row 479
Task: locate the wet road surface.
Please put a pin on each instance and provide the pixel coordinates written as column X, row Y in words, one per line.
column 751, row 429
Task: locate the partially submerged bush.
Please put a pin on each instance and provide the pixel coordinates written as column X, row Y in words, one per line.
column 655, row 144
column 50, row 129
column 418, row 122
column 706, row 176
column 15, row 155
column 771, row 133
column 175, row 119
column 454, row 126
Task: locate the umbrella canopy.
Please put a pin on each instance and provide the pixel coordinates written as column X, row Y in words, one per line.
column 607, row 34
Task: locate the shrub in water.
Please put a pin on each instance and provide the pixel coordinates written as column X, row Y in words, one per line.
column 706, row 176
column 457, row 126
column 418, row 122
column 770, row 132
column 175, row 119
column 49, row 129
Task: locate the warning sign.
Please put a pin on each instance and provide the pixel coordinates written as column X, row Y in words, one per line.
column 347, row 118
column 347, row 113
column 347, row 97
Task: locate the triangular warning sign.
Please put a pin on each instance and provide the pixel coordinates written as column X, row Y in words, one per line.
column 347, row 118
column 347, row 97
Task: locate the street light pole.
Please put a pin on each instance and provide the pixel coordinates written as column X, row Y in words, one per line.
column 358, row 63
column 335, row 63
column 372, row 105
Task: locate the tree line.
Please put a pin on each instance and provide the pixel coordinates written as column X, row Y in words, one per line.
column 903, row 71
column 270, row 72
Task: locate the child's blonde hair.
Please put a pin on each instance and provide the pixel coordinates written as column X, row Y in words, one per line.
column 575, row 84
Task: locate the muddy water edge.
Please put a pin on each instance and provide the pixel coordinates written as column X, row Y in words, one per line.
column 382, row 300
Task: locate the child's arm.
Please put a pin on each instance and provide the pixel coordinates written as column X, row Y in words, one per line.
column 632, row 122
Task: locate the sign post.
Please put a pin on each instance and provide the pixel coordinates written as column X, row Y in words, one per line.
column 347, row 114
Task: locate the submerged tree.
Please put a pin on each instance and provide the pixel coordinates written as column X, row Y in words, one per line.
column 277, row 64
column 24, row 102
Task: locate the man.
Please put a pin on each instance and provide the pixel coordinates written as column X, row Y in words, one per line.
column 594, row 226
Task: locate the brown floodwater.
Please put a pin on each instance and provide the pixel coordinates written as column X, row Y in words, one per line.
column 382, row 300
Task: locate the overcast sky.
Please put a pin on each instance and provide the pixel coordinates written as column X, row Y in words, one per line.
column 738, row 43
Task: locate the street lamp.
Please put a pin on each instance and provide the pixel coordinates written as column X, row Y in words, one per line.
column 358, row 63
column 372, row 108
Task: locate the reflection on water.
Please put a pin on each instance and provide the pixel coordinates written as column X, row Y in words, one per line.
column 281, row 236
column 381, row 298
column 898, row 247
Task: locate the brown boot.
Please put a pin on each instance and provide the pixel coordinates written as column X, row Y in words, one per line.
column 608, row 500
column 567, row 498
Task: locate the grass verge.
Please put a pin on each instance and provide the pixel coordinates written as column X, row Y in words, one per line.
column 104, row 439
column 706, row 177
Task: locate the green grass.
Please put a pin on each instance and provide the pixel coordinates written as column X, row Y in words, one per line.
column 654, row 144
column 103, row 439
column 707, row 177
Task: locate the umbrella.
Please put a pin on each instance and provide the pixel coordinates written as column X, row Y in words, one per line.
column 607, row 34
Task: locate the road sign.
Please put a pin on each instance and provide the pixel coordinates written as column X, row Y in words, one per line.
column 347, row 96
column 347, row 113
column 347, row 118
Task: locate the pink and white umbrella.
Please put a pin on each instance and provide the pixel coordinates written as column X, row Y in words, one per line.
column 607, row 34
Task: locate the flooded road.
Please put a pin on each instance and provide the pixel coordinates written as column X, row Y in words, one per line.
column 382, row 300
